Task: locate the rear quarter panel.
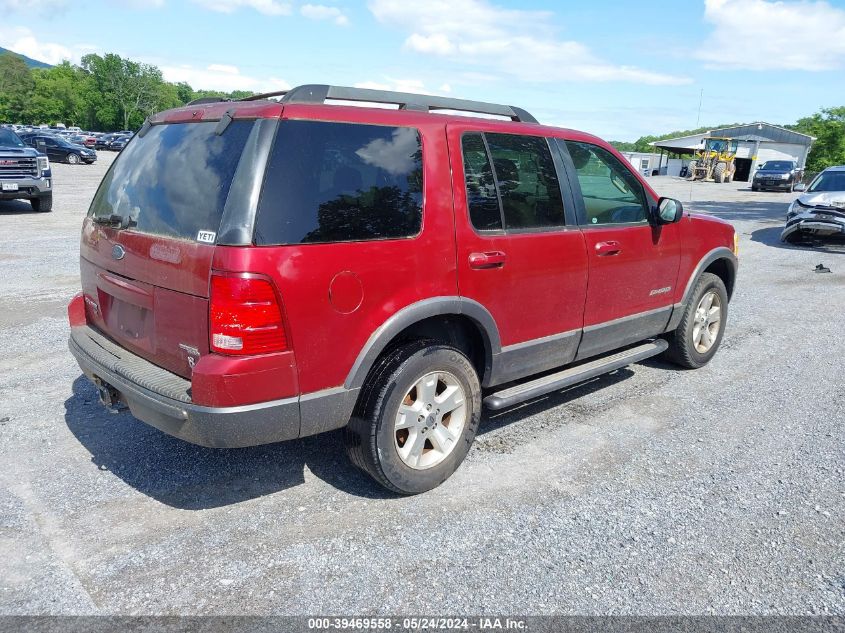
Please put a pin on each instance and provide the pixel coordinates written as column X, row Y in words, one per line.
column 375, row 278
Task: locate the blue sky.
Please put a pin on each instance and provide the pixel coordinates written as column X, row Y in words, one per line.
column 618, row 69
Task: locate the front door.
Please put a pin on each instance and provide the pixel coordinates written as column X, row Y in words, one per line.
column 633, row 265
column 519, row 253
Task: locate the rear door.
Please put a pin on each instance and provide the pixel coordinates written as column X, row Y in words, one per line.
column 633, row 265
column 519, row 253
column 146, row 276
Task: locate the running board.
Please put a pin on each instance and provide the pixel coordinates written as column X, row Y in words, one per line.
column 541, row 386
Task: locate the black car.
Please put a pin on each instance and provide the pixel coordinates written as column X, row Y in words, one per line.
column 104, row 141
column 781, row 175
column 59, row 149
column 119, row 143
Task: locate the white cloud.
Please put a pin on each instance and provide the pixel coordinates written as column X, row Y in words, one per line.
column 267, row 7
column 762, row 35
column 516, row 42
column 399, row 85
column 22, row 40
column 322, row 12
column 221, row 77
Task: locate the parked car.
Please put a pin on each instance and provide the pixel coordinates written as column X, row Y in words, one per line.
column 820, row 211
column 24, row 173
column 60, row 150
column 118, row 143
column 104, row 141
column 326, row 266
column 82, row 139
column 781, row 175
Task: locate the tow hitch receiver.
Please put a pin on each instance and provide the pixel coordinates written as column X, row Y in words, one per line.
column 109, row 396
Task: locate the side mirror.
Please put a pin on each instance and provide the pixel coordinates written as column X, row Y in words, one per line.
column 800, row 186
column 669, row 211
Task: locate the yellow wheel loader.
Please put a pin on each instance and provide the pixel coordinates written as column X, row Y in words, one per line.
column 715, row 161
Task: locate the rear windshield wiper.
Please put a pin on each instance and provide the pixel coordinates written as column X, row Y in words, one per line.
column 115, row 220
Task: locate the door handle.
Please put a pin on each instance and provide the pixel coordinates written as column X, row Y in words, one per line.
column 604, row 249
column 490, row 259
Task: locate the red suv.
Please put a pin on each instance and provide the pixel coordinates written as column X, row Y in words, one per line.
column 262, row 270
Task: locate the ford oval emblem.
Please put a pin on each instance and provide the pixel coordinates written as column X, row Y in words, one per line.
column 118, row 252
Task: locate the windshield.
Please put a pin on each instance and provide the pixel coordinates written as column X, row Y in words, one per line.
column 174, row 180
column 9, row 139
column 778, row 165
column 828, row 181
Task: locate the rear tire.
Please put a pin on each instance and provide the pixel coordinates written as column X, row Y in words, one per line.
column 699, row 334
column 400, row 433
column 719, row 172
column 43, row 204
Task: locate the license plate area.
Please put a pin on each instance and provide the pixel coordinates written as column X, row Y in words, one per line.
column 10, row 186
column 126, row 321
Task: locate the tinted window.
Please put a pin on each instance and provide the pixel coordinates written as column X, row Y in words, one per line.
column 482, row 201
column 340, row 182
column 174, row 181
column 528, row 184
column 612, row 194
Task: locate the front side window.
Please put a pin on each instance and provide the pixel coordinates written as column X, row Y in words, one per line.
column 612, row 194
column 525, row 193
column 341, row 182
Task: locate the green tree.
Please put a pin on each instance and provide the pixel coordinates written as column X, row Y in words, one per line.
column 16, row 85
column 58, row 95
column 828, row 126
column 131, row 90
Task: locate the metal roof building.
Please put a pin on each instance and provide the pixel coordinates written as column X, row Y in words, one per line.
column 758, row 142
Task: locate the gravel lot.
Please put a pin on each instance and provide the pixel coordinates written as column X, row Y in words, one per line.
column 649, row 491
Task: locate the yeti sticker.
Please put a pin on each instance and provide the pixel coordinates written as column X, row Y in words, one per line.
column 206, row 237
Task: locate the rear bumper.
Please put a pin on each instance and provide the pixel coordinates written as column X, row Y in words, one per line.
column 163, row 399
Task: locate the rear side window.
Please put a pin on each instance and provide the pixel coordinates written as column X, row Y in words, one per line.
column 341, row 182
column 527, row 181
column 483, row 203
column 525, row 193
column 174, row 180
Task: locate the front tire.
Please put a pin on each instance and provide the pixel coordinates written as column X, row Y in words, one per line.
column 416, row 418
column 700, row 331
column 73, row 159
column 719, row 172
column 42, row 204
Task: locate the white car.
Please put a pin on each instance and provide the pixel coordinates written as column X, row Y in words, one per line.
column 820, row 210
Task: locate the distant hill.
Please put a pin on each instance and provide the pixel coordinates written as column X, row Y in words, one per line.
column 32, row 63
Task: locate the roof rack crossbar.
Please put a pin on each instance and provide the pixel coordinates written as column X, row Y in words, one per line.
column 319, row 93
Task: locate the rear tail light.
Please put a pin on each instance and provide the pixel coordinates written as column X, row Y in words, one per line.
column 245, row 316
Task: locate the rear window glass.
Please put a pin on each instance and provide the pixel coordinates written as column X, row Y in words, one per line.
column 341, row 182
column 174, row 180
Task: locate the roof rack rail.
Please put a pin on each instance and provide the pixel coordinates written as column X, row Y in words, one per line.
column 265, row 95
column 319, row 93
column 205, row 100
